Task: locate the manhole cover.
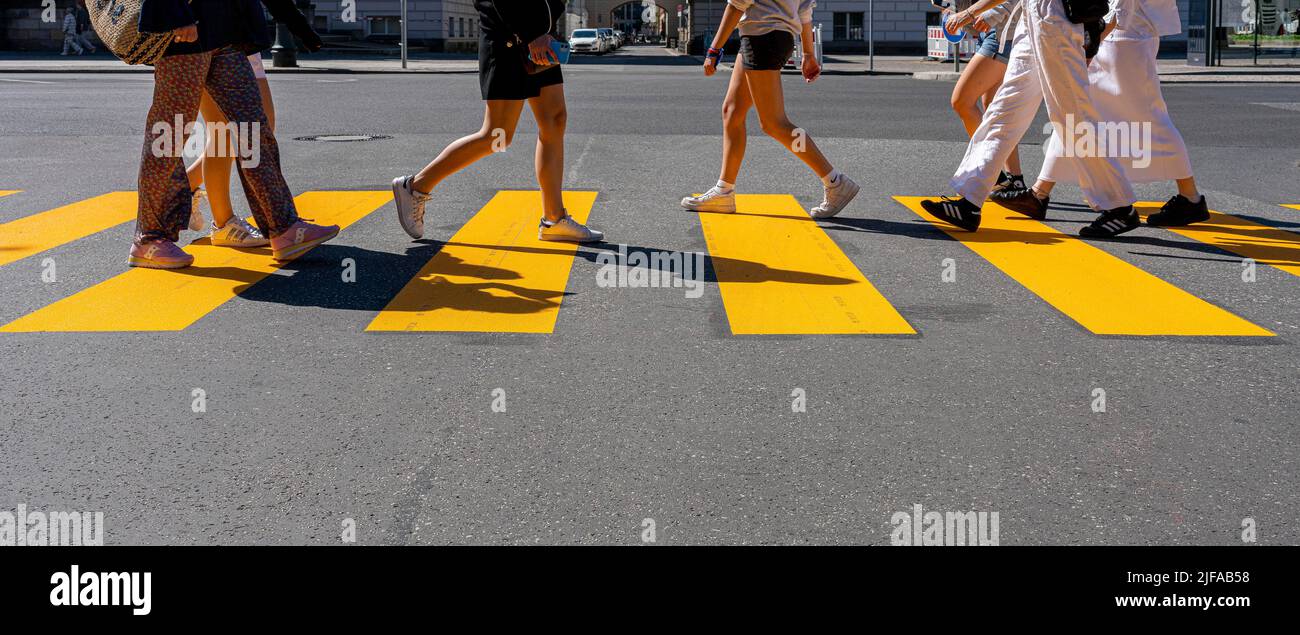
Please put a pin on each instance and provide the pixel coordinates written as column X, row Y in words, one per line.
column 342, row 137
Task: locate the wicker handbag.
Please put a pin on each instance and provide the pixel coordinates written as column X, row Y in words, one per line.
column 117, row 24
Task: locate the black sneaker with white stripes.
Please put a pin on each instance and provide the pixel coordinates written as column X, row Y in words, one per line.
column 1112, row 222
column 958, row 211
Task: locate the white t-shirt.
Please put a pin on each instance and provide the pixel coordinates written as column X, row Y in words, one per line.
column 765, row 16
column 1141, row 19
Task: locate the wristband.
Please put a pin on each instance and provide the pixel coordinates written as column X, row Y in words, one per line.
column 715, row 54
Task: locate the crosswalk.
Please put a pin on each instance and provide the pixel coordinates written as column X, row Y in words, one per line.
column 31, row 235
column 1248, row 239
column 777, row 271
column 493, row 276
column 157, row 300
column 780, row 274
column 1104, row 294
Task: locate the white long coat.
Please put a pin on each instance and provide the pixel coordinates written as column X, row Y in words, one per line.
column 1125, row 87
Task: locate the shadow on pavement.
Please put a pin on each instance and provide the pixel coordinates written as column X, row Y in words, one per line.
column 315, row 279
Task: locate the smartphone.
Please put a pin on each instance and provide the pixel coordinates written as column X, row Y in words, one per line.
column 562, row 51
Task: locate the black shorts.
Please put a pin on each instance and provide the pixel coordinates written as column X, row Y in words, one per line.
column 767, row 52
column 501, row 73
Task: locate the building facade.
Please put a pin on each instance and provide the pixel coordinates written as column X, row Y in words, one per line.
column 899, row 26
column 440, row 25
column 651, row 18
column 444, row 25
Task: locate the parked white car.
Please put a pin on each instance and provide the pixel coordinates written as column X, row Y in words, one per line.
column 610, row 37
column 588, row 41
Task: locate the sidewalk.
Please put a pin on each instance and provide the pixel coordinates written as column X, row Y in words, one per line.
column 1171, row 70
column 102, row 62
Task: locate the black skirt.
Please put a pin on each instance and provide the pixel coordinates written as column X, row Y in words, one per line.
column 501, row 73
column 767, row 52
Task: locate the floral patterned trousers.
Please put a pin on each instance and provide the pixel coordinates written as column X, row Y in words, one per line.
column 165, row 195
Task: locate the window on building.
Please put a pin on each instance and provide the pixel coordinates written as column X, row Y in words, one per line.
column 462, row 26
column 451, row 27
column 384, row 24
column 848, row 26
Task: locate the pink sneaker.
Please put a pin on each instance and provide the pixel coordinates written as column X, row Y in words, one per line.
column 158, row 254
column 299, row 238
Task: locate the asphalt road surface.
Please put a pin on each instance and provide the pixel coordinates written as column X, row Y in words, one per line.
column 784, row 400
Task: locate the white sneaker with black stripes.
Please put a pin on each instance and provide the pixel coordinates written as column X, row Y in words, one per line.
column 237, row 233
column 568, row 230
column 958, row 211
column 1112, row 222
column 410, row 204
column 715, row 200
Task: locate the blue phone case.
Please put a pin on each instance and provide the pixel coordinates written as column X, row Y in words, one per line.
column 562, row 51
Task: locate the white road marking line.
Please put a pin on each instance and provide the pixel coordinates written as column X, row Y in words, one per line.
column 23, row 81
column 573, row 171
column 1279, row 105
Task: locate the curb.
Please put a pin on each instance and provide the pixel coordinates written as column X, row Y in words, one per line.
column 940, row 76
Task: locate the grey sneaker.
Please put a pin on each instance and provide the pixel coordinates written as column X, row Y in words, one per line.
column 713, row 200
column 410, row 206
column 838, row 196
column 569, row 230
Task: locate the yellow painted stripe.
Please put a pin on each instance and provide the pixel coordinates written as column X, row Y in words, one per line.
column 1292, row 206
column 159, row 300
column 1265, row 245
column 493, row 276
column 4, row 193
column 779, row 273
column 36, row 233
column 1104, row 294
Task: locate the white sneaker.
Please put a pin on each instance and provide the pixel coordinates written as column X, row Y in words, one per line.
column 410, row 206
column 237, row 233
column 570, row 230
column 837, row 197
column 196, row 214
column 713, row 200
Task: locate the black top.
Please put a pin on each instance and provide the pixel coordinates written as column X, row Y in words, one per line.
column 502, row 20
column 83, row 19
column 237, row 23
